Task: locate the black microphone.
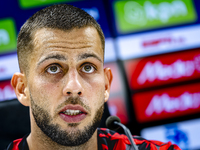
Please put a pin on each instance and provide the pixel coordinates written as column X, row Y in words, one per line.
column 113, row 123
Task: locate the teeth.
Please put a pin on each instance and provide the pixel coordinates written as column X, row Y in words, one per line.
column 72, row 112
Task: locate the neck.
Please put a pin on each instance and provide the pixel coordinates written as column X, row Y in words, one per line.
column 41, row 141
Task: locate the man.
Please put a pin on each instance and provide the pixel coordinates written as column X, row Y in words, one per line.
column 61, row 53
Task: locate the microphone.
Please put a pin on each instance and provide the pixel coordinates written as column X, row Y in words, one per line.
column 110, row 122
column 113, row 123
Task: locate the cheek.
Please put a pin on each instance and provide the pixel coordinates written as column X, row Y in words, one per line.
column 95, row 92
column 43, row 93
column 45, row 87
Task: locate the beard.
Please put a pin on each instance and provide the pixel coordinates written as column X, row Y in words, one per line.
column 63, row 137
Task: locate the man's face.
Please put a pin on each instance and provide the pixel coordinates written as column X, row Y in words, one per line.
column 67, row 85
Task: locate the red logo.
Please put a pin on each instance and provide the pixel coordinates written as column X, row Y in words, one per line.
column 167, row 103
column 2, row 70
column 6, row 91
column 117, row 107
column 162, row 41
column 163, row 69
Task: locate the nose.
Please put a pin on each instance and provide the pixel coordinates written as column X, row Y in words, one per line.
column 73, row 86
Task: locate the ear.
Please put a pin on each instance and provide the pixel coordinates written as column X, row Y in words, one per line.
column 19, row 84
column 108, row 79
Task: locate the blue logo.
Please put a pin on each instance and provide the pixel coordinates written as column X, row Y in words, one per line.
column 177, row 136
column 94, row 12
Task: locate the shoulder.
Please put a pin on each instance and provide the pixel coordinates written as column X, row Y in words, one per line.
column 19, row 144
column 153, row 144
column 110, row 134
column 14, row 145
column 109, row 139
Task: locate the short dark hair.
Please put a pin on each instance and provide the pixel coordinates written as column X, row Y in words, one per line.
column 62, row 16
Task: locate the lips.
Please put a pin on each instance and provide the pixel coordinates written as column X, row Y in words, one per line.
column 73, row 113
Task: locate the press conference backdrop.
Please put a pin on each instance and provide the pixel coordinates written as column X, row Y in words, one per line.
column 153, row 49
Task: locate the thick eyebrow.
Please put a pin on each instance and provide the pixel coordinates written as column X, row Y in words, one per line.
column 53, row 56
column 88, row 55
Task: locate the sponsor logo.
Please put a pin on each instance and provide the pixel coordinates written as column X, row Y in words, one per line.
column 117, row 107
column 7, row 35
column 34, row 3
column 163, row 69
column 8, row 66
column 159, row 71
column 94, row 12
column 6, row 91
column 165, row 103
column 185, row 134
column 2, row 70
column 177, row 135
column 163, row 41
column 158, row 42
column 134, row 15
column 4, row 37
column 162, row 11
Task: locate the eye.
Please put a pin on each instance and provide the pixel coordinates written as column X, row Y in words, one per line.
column 53, row 69
column 88, row 68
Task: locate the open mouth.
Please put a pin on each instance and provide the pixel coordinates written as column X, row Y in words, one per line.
column 71, row 112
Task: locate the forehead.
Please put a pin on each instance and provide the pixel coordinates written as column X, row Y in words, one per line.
column 83, row 40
